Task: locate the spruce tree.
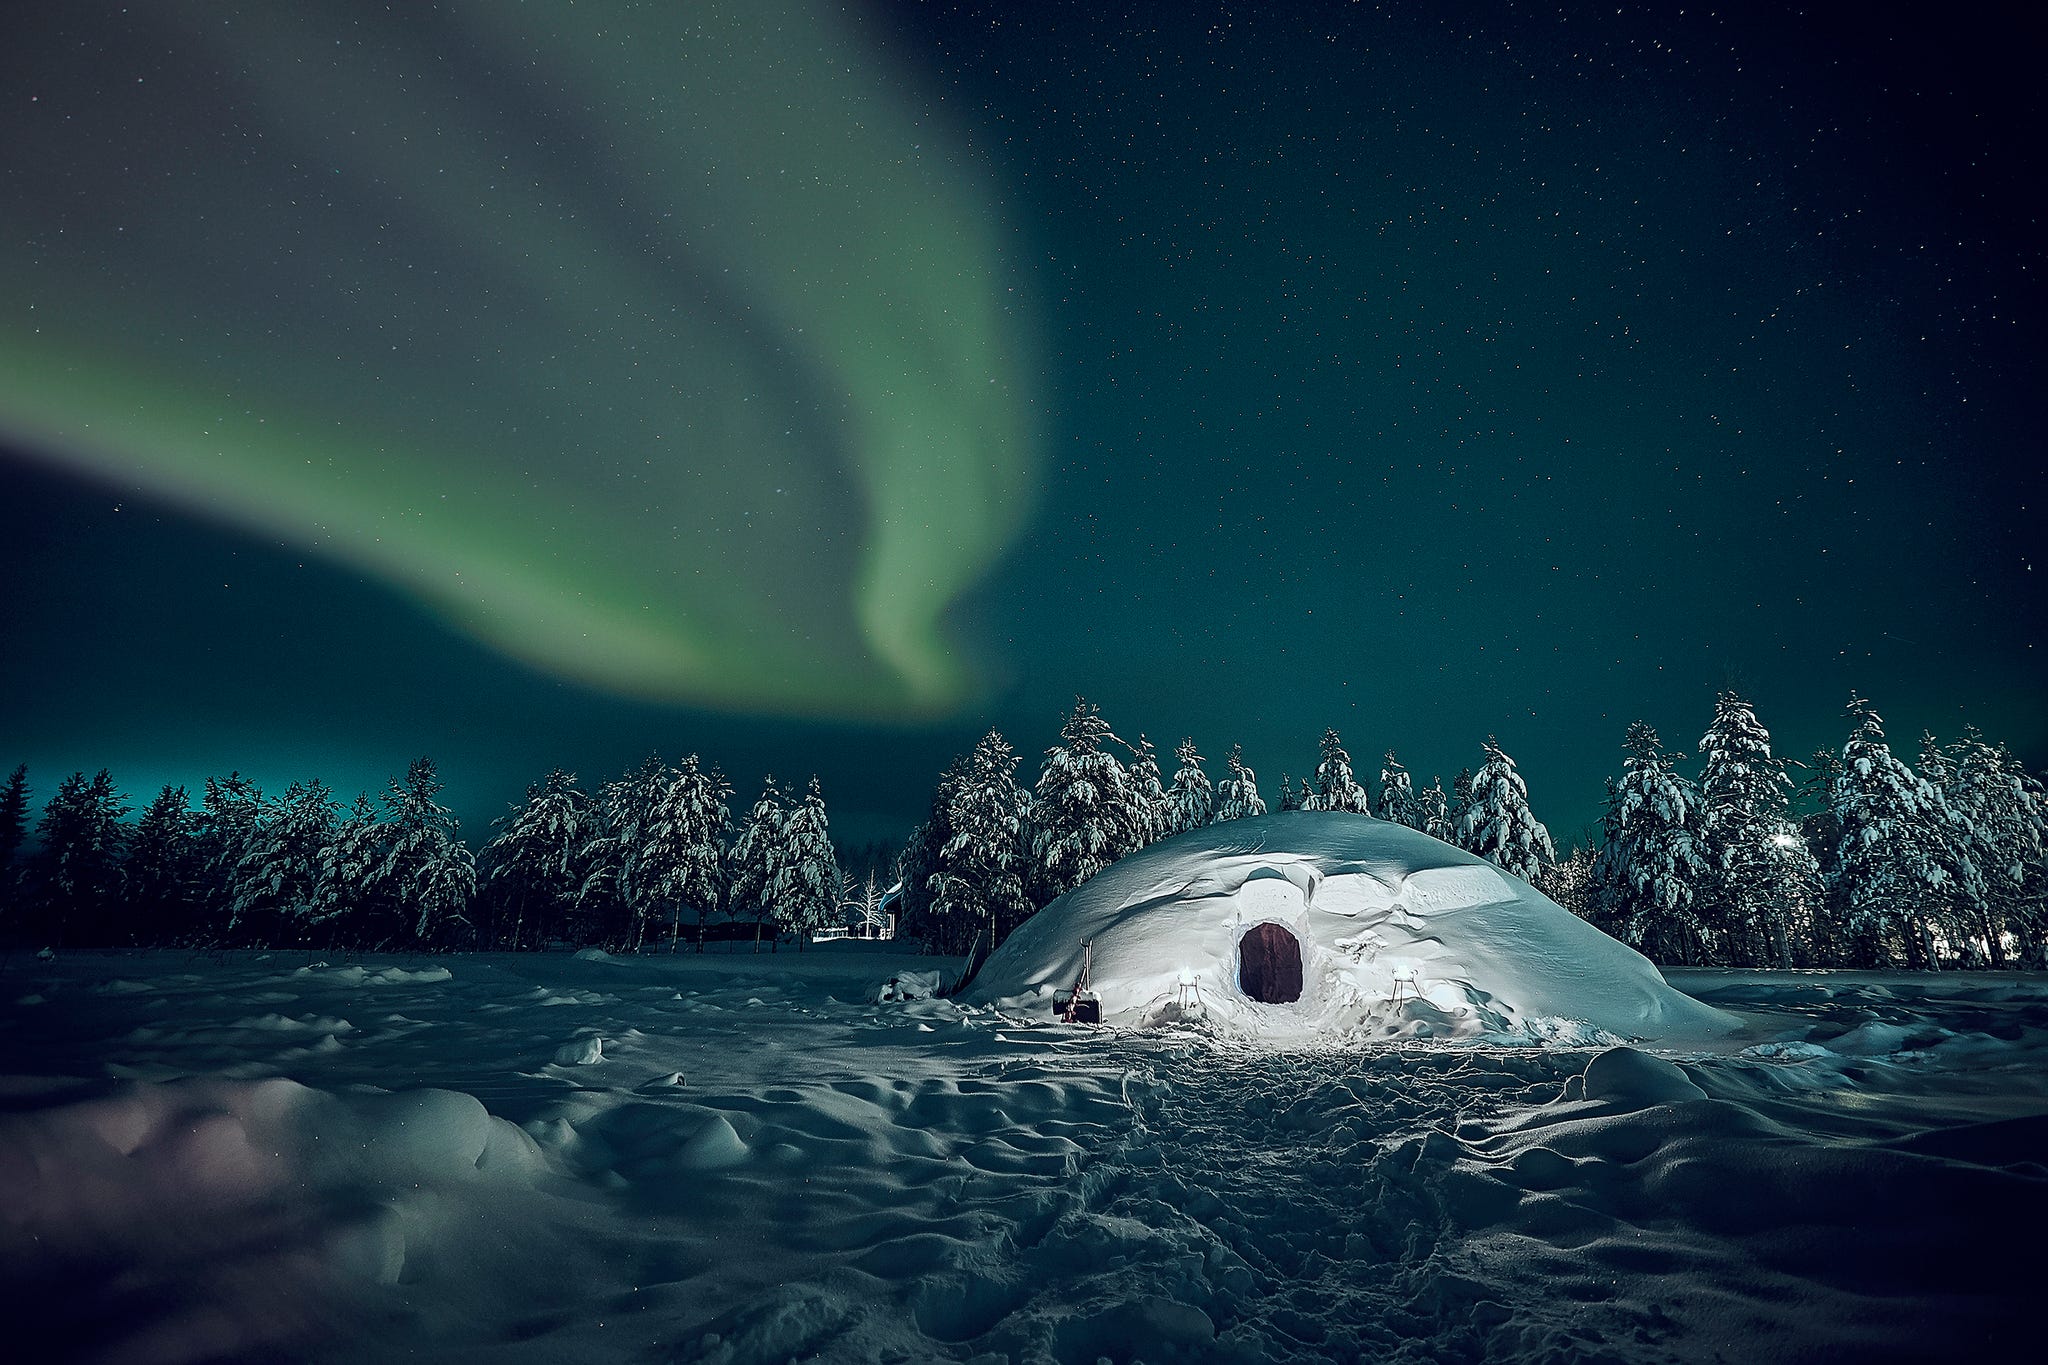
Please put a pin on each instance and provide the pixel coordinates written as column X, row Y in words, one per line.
column 804, row 889
column 1889, row 878
column 1290, row 799
column 682, row 864
column 1460, row 802
column 1336, row 788
column 1496, row 823
column 1651, row 869
column 1237, row 797
column 1083, row 816
column 1821, row 833
column 75, row 871
column 536, row 856
column 1569, row 881
column 979, row 879
column 1763, row 881
column 13, row 828
column 1987, row 793
column 1433, row 812
column 757, row 857
column 1955, row 911
column 1191, row 802
column 158, row 868
column 610, row 901
column 2028, row 919
column 280, row 866
column 343, row 906
column 1398, row 801
column 1148, row 794
column 920, row 861
column 427, row 869
column 230, row 813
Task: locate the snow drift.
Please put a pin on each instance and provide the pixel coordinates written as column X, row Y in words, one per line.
column 1377, row 931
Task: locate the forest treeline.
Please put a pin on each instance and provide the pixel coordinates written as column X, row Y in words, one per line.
column 649, row 856
column 1861, row 861
column 1853, row 858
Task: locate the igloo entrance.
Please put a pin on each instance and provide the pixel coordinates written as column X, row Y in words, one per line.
column 1269, row 965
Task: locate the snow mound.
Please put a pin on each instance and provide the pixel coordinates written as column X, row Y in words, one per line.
column 1378, row 933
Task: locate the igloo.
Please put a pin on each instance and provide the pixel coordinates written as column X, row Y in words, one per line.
column 1312, row 927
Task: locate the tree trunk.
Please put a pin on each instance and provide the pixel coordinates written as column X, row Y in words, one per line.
column 1991, row 943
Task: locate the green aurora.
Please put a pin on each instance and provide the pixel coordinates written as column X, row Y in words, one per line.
column 668, row 349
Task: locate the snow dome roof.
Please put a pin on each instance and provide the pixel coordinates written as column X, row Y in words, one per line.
column 1396, row 935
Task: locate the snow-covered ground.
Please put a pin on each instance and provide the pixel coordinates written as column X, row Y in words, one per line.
column 744, row 1158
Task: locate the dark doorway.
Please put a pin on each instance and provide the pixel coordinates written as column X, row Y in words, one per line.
column 1269, row 965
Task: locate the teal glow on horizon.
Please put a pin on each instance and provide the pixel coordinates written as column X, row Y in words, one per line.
column 666, row 348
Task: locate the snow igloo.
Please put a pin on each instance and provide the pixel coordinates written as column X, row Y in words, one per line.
column 1312, row 927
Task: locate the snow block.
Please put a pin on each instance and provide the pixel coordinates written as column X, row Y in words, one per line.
column 1399, row 936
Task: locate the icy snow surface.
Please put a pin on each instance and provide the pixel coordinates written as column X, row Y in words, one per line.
column 751, row 1159
column 1400, row 935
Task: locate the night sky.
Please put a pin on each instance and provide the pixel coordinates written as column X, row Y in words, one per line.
column 814, row 386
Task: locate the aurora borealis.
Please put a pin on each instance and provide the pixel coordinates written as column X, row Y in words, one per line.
column 663, row 347
column 815, row 385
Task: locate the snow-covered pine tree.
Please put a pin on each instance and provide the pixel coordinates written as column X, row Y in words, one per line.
column 757, row 857
column 230, row 812
column 1764, row 881
column 920, row 861
column 979, row 879
column 1398, row 802
column 275, row 879
column 1888, row 873
column 1084, row 816
column 805, row 885
column 1336, row 787
column 1986, row 792
column 1569, row 881
column 343, row 905
column 1148, row 793
column 1433, row 810
column 1822, row 835
column 427, row 870
column 1956, row 912
column 1304, row 796
column 157, row 867
column 1289, row 798
column 684, row 862
column 13, row 827
column 75, row 871
column 536, row 856
column 611, row 905
column 2028, row 919
column 1237, row 796
column 1461, row 801
column 1191, row 802
column 1647, row 879
column 1496, row 823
